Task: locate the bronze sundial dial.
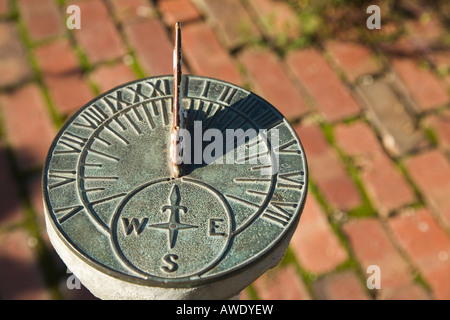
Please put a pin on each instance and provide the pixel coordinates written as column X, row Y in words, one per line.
column 153, row 197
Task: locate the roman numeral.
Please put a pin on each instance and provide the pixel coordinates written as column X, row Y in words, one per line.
column 69, row 212
column 160, row 89
column 92, row 116
column 70, row 143
column 285, row 180
column 277, row 212
column 205, row 89
column 135, row 225
column 285, row 147
column 227, row 95
column 117, row 102
column 138, row 95
column 63, row 177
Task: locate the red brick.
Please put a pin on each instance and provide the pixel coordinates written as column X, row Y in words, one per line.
column 353, row 58
column 441, row 61
column 386, row 186
column 27, row 124
column 372, row 246
column 42, row 18
column 56, row 58
column 14, row 66
column 425, row 88
column 281, row 283
column 332, row 98
column 431, row 173
column 206, row 56
column 428, row 245
column 314, row 243
column 231, row 20
column 394, row 122
column 20, row 274
column 439, row 123
column 98, row 36
column 178, row 11
column 108, row 77
column 277, row 20
column 12, row 211
column 276, row 88
column 152, row 46
column 129, row 11
column 408, row 292
column 327, row 170
column 69, row 92
column 4, row 7
column 420, row 36
column 340, row 286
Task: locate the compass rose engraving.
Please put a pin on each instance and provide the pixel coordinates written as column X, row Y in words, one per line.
column 174, row 224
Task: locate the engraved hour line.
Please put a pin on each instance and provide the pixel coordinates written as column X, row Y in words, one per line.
column 105, row 178
column 242, row 200
column 205, row 89
column 260, row 167
column 117, row 135
column 102, row 140
column 133, row 124
column 164, row 111
column 253, row 156
column 148, row 116
column 119, row 195
column 105, row 155
column 67, row 176
column 251, row 180
column 93, row 190
column 255, row 192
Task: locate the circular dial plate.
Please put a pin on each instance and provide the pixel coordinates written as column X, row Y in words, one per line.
column 110, row 195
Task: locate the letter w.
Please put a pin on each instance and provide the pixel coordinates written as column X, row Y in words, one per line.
column 135, row 224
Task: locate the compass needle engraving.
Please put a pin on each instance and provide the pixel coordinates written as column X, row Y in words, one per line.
column 133, row 221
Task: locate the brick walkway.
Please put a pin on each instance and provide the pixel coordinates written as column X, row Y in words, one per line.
column 374, row 120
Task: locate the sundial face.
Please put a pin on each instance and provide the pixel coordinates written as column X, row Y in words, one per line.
column 111, row 198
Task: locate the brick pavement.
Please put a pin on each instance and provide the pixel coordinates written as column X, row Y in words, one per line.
column 374, row 119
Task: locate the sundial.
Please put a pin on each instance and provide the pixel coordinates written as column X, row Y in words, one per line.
column 176, row 186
